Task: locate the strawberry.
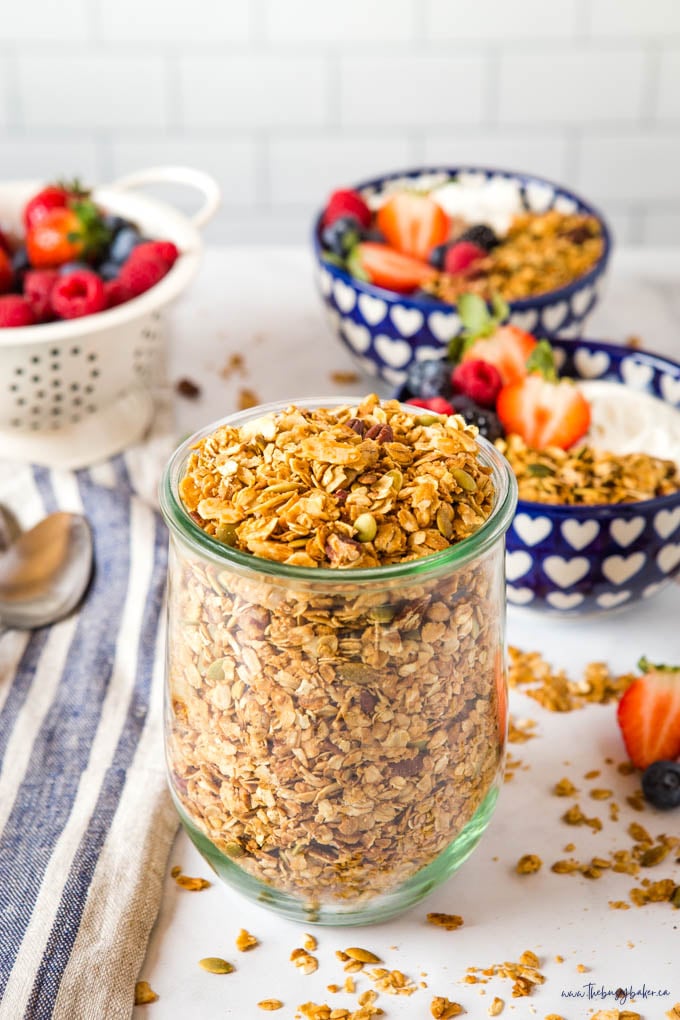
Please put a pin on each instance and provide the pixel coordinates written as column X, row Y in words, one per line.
column 15, row 311
column 479, row 380
column 461, row 256
column 6, row 272
column 438, row 405
column 508, row 348
column 544, row 412
column 66, row 234
column 5, row 243
column 54, row 196
column 413, row 224
column 38, row 287
column 649, row 715
column 80, row 293
column 388, row 268
column 346, row 202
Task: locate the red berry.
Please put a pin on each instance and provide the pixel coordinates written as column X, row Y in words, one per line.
column 413, row 224
column 51, row 197
column 544, row 413
column 649, row 715
column 6, row 272
column 38, row 287
column 162, row 251
column 139, row 275
column 80, row 293
column 346, row 202
column 436, row 404
column 479, row 380
column 4, row 242
column 15, row 311
column 115, row 293
column 461, row 256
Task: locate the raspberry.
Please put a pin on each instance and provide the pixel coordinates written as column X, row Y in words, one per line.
column 38, row 287
column 461, row 255
column 139, row 275
column 346, row 202
column 115, row 293
column 6, row 272
column 15, row 311
column 78, row 294
column 163, row 251
column 436, row 404
column 479, row 380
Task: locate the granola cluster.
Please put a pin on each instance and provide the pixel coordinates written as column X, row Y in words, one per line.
column 541, row 252
column 586, row 476
column 332, row 738
column 342, row 487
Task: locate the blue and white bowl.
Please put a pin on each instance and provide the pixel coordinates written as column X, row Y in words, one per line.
column 575, row 560
column 386, row 331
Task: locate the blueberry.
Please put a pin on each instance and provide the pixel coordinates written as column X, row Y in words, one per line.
column 20, row 260
column 428, row 379
column 437, row 256
column 424, row 295
column 125, row 241
column 481, row 235
column 109, row 270
column 486, row 420
column 661, row 784
column 115, row 223
column 340, row 236
column 73, row 267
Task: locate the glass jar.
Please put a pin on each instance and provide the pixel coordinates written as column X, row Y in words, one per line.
column 335, row 738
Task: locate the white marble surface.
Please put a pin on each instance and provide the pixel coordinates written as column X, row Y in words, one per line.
column 261, row 304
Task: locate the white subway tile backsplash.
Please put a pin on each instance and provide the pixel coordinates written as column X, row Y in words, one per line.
column 355, row 21
column 54, row 21
column 402, row 90
column 49, row 158
column 485, row 20
column 615, row 19
column 571, row 86
column 668, row 99
column 161, row 21
column 305, row 170
column 631, row 166
column 233, row 163
column 539, row 153
column 254, row 91
column 96, row 91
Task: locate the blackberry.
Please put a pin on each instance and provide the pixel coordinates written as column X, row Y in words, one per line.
column 480, row 235
column 340, row 236
column 437, row 256
column 486, row 420
column 661, row 784
column 428, row 379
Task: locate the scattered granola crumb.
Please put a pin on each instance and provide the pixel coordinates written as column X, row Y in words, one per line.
column 634, row 342
column 216, row 965
column 144, row 993
column 350, row 985
column 521, row 730
column 362, row 955
column 559, row 959
column 626, row 768
column 528, row 864
column 581, row 968
column 569, row 848
column 393, row 982
column 235, row 363
column 304, row 961
column 188, row 388
column 344, row 378
column 599, row 793
column 555, row 691
column 525, row 975
column 619, row 905
column 448, row 921
column 636, row 801
column 175, row 871
column 246, row 398
column 554, row 1016
column 309, row 943
column 593, row 774
column 575, row 816
column 442, row 1008
column 564, row 788
column 245, row 941
column 186, row 882
column 674, row 1012
column 496, row 1007
column 270, row 1004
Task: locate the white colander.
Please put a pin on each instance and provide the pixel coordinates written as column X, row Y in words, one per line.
column 76, row 391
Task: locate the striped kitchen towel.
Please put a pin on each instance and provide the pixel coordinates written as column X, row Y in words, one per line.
column 86, row 823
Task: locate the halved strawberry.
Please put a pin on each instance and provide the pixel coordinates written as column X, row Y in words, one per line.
column 649, row 715
column 388, row 268
column 508, row 348
column 543, row 412
column 413, row 224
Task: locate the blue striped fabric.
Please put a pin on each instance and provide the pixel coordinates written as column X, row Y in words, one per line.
column 62, row 796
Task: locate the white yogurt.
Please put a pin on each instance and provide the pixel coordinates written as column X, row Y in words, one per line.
column 477, row 199
column 624, row 420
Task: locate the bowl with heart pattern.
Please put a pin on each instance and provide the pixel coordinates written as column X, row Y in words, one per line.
column 385, row 330
column 573, row 560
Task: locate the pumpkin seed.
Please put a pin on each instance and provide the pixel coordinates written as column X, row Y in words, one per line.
column 215, row 965
column 365, row 527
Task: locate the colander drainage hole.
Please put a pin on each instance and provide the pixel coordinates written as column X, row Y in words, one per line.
column 35, row 378
column 35, row 359
column 75, row 351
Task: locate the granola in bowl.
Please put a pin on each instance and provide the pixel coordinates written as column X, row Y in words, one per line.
column 336, row 689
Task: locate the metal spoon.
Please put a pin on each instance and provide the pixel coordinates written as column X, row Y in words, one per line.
column 44, row 573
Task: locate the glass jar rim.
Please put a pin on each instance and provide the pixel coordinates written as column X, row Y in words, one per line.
column 180, row 523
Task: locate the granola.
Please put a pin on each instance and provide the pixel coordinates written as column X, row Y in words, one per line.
column 332, row 738
column 586, row 476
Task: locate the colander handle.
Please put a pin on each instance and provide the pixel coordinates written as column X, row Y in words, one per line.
column 197, row 179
